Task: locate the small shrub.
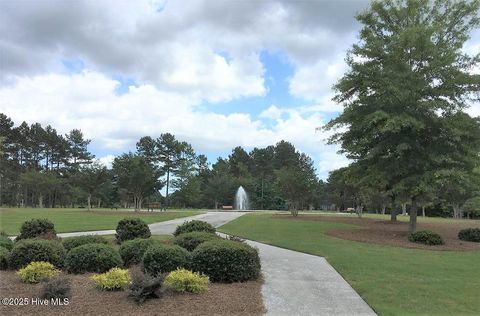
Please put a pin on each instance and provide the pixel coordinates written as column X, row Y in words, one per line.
column 114, row 279
column 191, row 240
column 73, row 242
column 470, row 234
column 182, row 280
column 426, row 237
column 37, row 227
column 131, row 228
column 37, row 271
column 144, row 286
column 4, row 253
column 57, row 287
column 92, row 258
column 226, row 261
column 6, row 242
column 29, row 250
column 132, row 251
column 194, row 226
column 165, row 258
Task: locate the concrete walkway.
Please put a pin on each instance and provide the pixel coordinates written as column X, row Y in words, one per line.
column 168, row 227
column 302, row 284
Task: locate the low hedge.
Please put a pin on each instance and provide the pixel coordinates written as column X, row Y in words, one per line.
column 4, row 253
column 226, row 261
column 73, row 242
column 37, row 271
column 131, row 228
column 426, row 237
column 37, row 227
column 6, row 242
column 165, row 258
column 132, row 251
column 29, row 250
column 192, row 240
column 92, row 258
column 470, row 234
column 194, row 226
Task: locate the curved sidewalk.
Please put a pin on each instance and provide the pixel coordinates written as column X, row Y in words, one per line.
column 301, row 284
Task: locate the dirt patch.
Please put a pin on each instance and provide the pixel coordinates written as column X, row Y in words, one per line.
column 221, row 299
column 394, row 233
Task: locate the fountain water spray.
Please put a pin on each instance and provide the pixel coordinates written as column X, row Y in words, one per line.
column 241, row 199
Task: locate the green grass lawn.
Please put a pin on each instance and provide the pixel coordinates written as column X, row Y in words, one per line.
column 393, row 281
column 71, row 220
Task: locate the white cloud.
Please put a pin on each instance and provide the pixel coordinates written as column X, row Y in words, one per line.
column 115, row 122
column 106, row 160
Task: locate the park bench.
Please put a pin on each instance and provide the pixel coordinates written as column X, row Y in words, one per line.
column 227, row 207
column 154, row 205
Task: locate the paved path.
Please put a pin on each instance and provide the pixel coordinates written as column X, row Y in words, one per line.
column 301, row 284
column 168, row 227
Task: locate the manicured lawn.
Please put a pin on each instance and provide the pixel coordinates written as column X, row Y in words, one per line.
column 393, row 281
column 70, row 220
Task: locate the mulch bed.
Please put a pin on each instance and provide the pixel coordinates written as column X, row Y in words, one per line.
column 394, row 233
column 220, row 299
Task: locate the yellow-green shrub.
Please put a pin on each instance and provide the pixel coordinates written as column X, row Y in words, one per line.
column 37, row 271
column 113, row 279
column 182, row 280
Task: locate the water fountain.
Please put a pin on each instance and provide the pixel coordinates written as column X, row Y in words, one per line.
column 241, row 199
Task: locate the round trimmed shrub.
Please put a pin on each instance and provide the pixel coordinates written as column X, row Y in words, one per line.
column 194, row 226
column 226, row 261
column 37, row 271
column 132, row 251
column 73, row 242
column 114, row 279
column 29, row 250
column 192, row 240
column 92, row 258
column 131, row 228
column 470, row 234
column 182, row 280
column 6, row 242
column 426, row 237
column 37, row 227
column 4, row 258
column 165, row 258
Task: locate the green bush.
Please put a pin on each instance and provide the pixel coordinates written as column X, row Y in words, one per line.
column 29, row 250
column 57, row 287
column 470, row 234
column 131, row 228
column 194, row 226
column 113, row 279
column 132, row 251
column 37, row 271
column 37, row 227
column 190, row 241
column 226, row 261
column 73, row 242
column 144, row 286
column 92, row 258
column 182, row 280
column 165, row 258
column 426, row 237
column 6, row 242
column 4, row 253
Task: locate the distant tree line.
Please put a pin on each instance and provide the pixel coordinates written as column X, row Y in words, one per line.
column 41, row 168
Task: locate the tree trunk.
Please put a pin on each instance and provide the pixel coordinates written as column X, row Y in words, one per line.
column 166, row 195
column 89, row 199
column 393, row 214
column 423, row 210
column 413, row 215
column 99, row 202
column 404, row 209
column 40, row 200
column 383, row 209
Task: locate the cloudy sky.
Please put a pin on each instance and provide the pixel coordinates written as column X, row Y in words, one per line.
column 217, row 74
